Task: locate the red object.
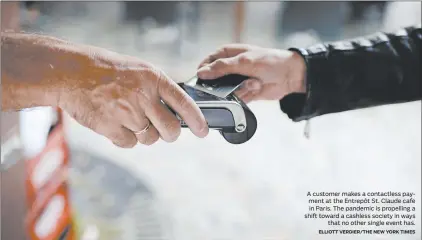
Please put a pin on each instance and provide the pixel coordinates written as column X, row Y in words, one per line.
column 45, row 167
column 50, row 217
column 50, row 214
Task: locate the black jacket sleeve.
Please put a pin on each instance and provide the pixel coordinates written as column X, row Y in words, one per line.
column 383, row 68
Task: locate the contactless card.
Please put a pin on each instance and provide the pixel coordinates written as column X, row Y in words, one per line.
column 220, row 87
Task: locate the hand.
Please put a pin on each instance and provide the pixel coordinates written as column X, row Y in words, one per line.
column 273, row 73
column 119, row 96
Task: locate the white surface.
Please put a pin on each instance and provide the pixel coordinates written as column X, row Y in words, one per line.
column 47, row 221
column 46, row 167
column 34, row 126
column 214, row 190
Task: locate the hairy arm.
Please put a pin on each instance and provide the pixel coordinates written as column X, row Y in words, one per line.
column 36, row 70
column 112, row 94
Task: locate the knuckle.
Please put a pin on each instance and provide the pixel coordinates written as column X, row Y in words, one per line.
column 163, row 82
column 245, row 60
column 122, row 140
column 214, row 56
column 143, row 84
column 226, row 49
column 211, row 58
column 220, row 64
column 148, row 74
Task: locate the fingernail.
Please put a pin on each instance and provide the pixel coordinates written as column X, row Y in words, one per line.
column 203, row 132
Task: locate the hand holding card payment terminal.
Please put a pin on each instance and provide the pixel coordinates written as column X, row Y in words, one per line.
column 222, row 109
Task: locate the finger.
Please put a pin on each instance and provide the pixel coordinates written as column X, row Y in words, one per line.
column 177, row 99
column 134, row 120
column 242, row 64
column 148, row 135
column 227, row 51
column 241, row 92
column 249, row 97
column 244, row 95
column 124, row 138
column 119, row 135
column 252, row 84
column 247, row 86
column 166, row 123
column 211, row 58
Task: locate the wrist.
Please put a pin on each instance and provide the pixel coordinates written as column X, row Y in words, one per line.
column 297, row 81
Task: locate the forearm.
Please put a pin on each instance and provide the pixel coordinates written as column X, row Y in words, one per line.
column 372, row 71
column 35, row 69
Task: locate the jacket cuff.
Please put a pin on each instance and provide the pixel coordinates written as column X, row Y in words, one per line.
column 299, row 107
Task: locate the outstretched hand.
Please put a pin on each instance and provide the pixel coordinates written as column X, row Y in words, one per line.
column 120, row 97
column 273, row 73
column 128, row 106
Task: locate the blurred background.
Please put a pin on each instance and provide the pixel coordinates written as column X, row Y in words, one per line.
column 206, row 188
column 176, row 35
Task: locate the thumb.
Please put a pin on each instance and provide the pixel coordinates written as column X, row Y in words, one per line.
column 225, row 66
